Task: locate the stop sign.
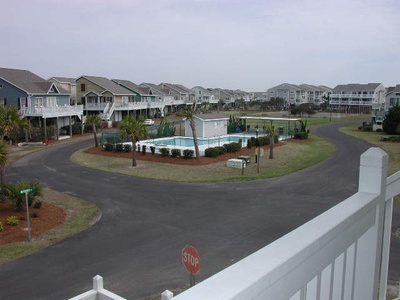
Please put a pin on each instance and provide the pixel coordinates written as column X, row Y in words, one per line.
column 191, row 259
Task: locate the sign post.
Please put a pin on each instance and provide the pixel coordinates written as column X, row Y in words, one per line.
column 191, row 261
column 26, row 191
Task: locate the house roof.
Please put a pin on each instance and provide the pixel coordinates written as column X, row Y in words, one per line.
column 155, row 89
column 144, row 91
column 287, row 86
column 393, row 89
column 357, row 87
column 177, row 87
column 108, row 85
column 64, row 80
column 29, row 82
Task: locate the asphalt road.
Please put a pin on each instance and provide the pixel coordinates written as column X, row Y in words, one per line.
column 136, row 245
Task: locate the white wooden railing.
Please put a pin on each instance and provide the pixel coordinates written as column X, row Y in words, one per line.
column 341, row 254
column 52, row 111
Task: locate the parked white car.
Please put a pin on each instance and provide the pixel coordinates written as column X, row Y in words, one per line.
column 149, row 122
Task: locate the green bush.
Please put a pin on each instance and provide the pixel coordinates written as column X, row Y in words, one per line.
column 301, row 136
column 144, row 149
column 263, row 140
column 176, row 152
column 221, row 150
column 152, row 149
column 1, row 226
column 12, row 221
column 164, row 152
column 109, row 147
column 119, row 147
column 366, row 126
column 187, row 153
column 394, row 138
column 232, row 147
column 127, row 148
column 391, row 123
column 249, row 143
column 12, row 193
column 211, row 152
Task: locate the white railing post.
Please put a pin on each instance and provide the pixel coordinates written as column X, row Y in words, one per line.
column 372, row 179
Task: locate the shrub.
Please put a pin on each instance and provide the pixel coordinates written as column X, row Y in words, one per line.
column 12, row 192
column 187, row 153
column 35, row 215
column 263, row 140
column 12, row 221
column 109, row 147
column 164, row 152
column 301, row 135
column 176, row 152
column 211, row 152
column 221, row 150
column 366, row 126
column 249, row 143
column 1, row 226
column 152, row 149
column 394, row 138
column 127, row 148
column 144, row 149
column 232, row 147
column 37, row 204
column 391, row 124
column 119, row 147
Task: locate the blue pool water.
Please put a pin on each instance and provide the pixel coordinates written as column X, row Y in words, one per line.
column 209, row 142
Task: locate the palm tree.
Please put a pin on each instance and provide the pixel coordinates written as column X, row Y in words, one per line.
column 3, row 161
column 272, row 132
column 135, row 130
column 10, row 120
column 189, row 114
column 94, row 120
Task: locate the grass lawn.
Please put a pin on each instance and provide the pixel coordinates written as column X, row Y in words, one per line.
column 291, row 157
column 393, row 149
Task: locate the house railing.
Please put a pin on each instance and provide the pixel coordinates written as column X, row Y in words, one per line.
column 350, row 102
column 53, row 111
column 337, row 255
column 341, row 254
column 96, row 106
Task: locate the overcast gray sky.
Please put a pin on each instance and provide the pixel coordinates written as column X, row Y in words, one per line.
column 237, row 44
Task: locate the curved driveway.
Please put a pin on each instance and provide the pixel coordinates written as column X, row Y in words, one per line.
column 136, row 246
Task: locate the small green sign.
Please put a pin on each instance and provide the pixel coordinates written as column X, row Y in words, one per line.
column 25, row 191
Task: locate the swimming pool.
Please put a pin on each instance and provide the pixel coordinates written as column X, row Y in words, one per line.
column 209, row 142
column 180, row 142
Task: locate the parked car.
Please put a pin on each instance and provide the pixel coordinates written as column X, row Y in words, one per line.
column 149, row 122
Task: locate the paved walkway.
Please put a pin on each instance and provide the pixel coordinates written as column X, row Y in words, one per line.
column 136, row 246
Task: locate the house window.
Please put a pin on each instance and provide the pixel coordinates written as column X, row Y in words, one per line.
column 39, row 101
column 3, row 101
column 51, row 101
column 1, row 86
column 83, row 87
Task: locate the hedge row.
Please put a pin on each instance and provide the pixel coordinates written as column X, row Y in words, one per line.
column 187, row 153
column 226, row 148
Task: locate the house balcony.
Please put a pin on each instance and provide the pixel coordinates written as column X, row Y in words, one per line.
column 95, row 106
column 53, row 111
column 351, row 102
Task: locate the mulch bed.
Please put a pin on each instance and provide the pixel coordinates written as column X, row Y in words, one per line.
column 48, row 217
column 180, row 160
